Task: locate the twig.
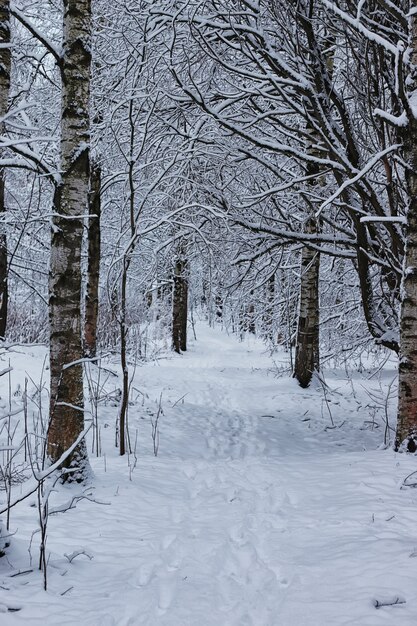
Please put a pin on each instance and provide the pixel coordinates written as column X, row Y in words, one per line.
column 395, row 602
column 76, row 553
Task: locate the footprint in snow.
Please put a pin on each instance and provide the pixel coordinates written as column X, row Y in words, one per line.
column 165, row 596
column 145, row 574
column 190, row 471
column 176, row 515
column 168, row 540
column 238, row 535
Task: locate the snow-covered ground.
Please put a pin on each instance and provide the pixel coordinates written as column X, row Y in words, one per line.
column 267, row 505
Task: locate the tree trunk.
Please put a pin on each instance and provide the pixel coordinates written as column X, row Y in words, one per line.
column 124, row 405
column 5, row 66
column 70, row 200
column 250, row 312
column 268, row 317
column 93, row 270
column 406, row 435
column 374, row 321
column 5, row 63
column 180, row 304
column 218, row 303
column 307, row 348
column 307, row 357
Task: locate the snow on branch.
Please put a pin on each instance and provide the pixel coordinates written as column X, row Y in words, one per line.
column 35, row 32
column 396, row 219
column 395, row 120
column 358, row 25
column 41, row 476
column 32, row 157
column 351, row 181
column 76, row 553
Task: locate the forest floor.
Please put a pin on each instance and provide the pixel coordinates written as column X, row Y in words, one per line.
column 267, row 505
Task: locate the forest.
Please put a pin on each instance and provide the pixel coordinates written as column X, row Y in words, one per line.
column 208, row 312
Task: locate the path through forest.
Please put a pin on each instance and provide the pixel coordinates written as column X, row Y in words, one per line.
column 267, row 505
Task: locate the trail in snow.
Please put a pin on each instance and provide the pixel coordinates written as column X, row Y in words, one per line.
column 257, row 512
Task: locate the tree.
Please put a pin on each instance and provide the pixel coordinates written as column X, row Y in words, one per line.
column 307, row 348
column 180, row 301
column 70, row 206
column 93, row 269
column 5, row 67
column 406, row 434
column 307, row 353
column 281, row 90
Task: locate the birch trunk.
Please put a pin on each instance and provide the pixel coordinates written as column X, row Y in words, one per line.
column 406, row 435
column 307, row 348
column 307, row 358
column 180, row 304
column 93, row 269
column 5, row 66
column 71, row 200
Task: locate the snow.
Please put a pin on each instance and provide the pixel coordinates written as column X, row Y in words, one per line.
column 267, row 505
column 392, row 219
column 359, row 26
column 55, row 51
column 359, row 174
column 395, row 120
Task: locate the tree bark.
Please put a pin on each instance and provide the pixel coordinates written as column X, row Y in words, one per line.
column 374, row 321
column 70, row 205
column 93, row 269
column 268, row 317
column 307, row 357
column 124, row 405
column 180, row 304
column 406, row 434
column 5, row 67
column 218, row 303
column 250, row 312
column 307, row 349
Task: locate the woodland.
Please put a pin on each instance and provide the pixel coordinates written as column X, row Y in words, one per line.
column 190, row 187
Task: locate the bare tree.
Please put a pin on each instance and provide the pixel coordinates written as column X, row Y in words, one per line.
column 93, row 269
column 180, row 301
column 283, row 91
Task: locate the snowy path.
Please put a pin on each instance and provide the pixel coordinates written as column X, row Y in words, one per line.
column 253, row 514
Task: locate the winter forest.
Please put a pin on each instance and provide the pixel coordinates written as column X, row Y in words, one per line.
column 208, row 312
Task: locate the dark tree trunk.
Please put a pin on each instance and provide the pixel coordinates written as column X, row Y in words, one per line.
column 373, row 319
column 204, row 290
column 180, row 304
column 123, row 359
column 268, row 317
column 93, row 270
column 5, row 66
column 70, row 206
column 251, row 325
column 307, row 348
column 218, row 303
